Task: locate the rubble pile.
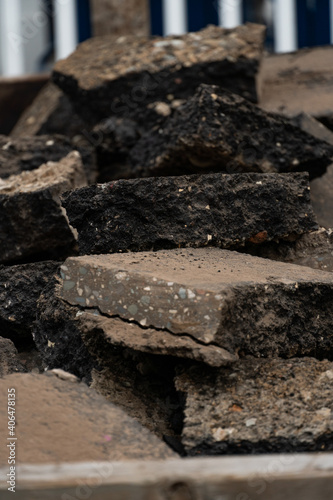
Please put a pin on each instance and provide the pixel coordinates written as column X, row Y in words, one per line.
column 166, row 253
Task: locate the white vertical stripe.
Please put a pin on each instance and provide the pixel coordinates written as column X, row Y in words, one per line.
column 285, row 25
column 331, row 20
column 174, row 17
column 65, row 27
column 230, row 13
column 11, row 40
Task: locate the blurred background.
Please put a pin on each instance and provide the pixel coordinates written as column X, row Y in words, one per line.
column 35, row 33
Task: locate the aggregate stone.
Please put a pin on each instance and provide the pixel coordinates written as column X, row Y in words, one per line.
column 61, row 421
column 216, row 130
column 222, row 210
column 104, row 77
column 258, row 406
column 32, row 220
column 244, row 304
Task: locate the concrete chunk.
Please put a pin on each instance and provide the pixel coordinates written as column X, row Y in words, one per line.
column 32, row 220
column 213, row 209
column 258, row 406
column 130, row 335
column 130, row 75
column 298, row 82
column 216, row 130
column 64, row 421
column 243, row 304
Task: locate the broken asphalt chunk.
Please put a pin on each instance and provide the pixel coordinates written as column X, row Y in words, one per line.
column 18, row 154
column 243, row 304
column 214, row 209
column 258, row 406
column 136, row 77
column 20, row 288
column 32, row 220
column 216, row 130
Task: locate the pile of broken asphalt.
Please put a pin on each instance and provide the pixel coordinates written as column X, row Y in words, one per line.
column 166, row 278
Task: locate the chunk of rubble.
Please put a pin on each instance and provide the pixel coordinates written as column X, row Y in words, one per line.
column 216, row 130
column 20, row 288
column 18, row 154
column 214, row 209
column 312, row 250
column 57, row 335
column 50, row 113
column 297, row 82
column 93, row 429
column 128, row 77
column 32, row 220
column 258, row 406
column 243, row 304
column 130, row 335
column 9, row 360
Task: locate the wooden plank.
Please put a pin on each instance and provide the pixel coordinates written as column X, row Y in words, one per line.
column 291, row 477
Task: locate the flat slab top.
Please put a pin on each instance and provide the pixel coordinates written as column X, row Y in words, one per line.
column 207, row 267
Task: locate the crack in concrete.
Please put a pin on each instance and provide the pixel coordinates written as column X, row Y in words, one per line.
column 148, row 327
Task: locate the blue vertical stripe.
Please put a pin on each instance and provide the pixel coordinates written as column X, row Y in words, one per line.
column 84, row 19
column 313, row 22
column 200, row 13
column 156, row 17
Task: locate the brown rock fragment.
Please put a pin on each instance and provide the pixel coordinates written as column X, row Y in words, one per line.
column 93, row 429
